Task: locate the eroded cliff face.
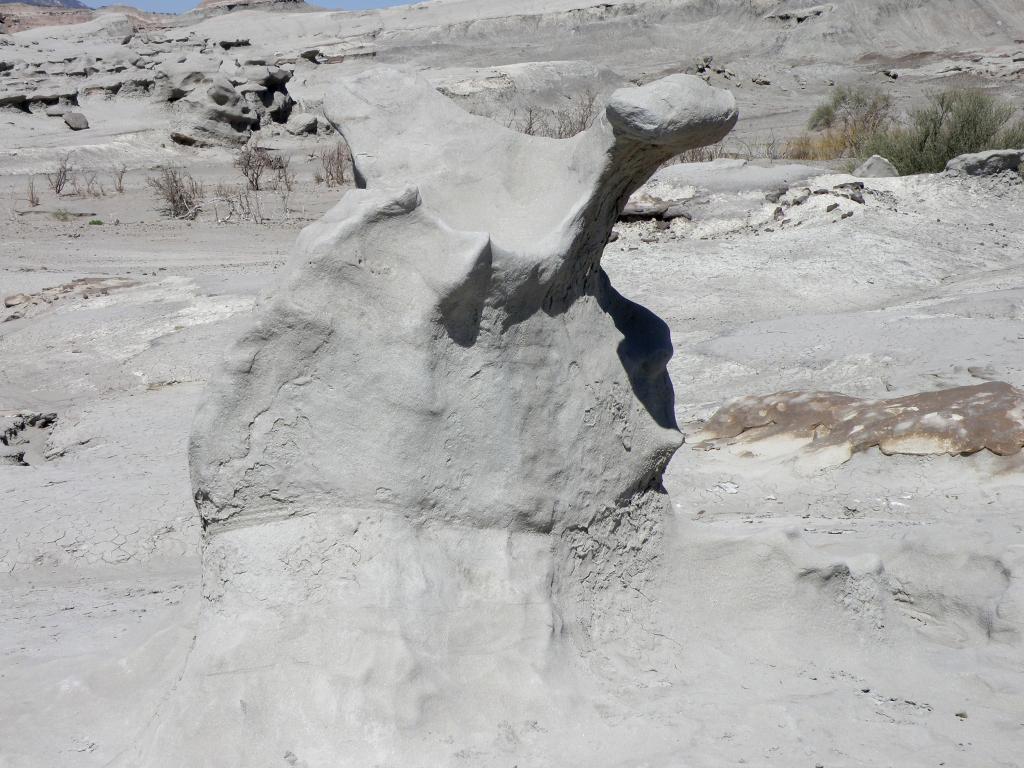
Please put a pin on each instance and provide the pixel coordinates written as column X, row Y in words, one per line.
column 430, row 474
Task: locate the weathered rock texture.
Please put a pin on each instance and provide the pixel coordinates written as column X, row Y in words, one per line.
column 987, row 163
column 960, row 420
column 430, row 475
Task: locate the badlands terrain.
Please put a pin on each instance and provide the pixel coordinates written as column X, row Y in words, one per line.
column 822, row 601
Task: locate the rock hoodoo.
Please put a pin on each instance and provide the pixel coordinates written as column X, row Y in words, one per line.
column 430, row 474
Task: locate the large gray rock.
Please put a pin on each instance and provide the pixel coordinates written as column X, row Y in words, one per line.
column 430, row 474
column 875, row 167
column 216, row 114
column 987, row 163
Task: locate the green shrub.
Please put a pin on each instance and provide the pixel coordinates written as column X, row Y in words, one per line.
column 95, row 222
column 952, row 123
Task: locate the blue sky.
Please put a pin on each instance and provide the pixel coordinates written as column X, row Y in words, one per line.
column 176, row 6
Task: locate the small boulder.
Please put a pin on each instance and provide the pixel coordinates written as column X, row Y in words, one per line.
column 299, row 124
column 187, row 139
column 76, row 121
column 16, row 299
column 57, row 110
column 876, row 167
column 987, row 163
column 643, row 206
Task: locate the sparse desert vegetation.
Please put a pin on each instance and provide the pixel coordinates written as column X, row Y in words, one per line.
column 236, row 203
column 178, row 193
column 857, row 122
column 562, row 122
column 117, row 175
column 60, row 177
column 333, row 162
column 30, row 192
column 951, row 123
column 253, row 162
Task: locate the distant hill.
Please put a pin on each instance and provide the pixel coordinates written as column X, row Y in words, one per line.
column 49, row 3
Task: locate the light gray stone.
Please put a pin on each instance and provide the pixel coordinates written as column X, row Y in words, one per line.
column 875, row 167
column 300, row 123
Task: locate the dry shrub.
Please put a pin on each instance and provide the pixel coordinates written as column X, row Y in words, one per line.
column 117, row 175
column 33, row 196
column 532, row 123
column 240, row 204
column 829, row 145
column 760, row 148
column 182, row 196
column 577, row 117
column 855, row 112
column 701, row 154
column 284, row 176
column 60, row 177
column 333, row 162
column 87, row 183
column 842, row 126
column 562, row 123
column 253, row 161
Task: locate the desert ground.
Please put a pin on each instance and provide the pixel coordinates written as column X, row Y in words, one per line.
column 859, row 610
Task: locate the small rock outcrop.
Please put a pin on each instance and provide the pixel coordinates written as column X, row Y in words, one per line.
column 223, row 101
column 875, row 167
column 216, row 113
column 961, row 420
column 986, row 163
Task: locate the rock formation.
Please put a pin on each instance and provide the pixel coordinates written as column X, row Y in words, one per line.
column 960, row 420
column 430, row 475
column 222, row 101
column 986, row 163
